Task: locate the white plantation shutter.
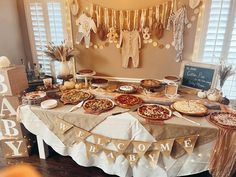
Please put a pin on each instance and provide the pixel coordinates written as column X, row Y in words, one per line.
column 47, row 21
column 220, row 39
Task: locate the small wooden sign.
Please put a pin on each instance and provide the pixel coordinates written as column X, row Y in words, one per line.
column 198, row 75
column 14, row 148
column 10, row 128
column 8, row 106
column 13, row 80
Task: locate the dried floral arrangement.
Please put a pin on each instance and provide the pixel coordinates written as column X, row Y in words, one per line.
column 225, row 71
column 60, row 52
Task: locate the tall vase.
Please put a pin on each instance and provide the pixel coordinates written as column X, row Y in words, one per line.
column 64, row 68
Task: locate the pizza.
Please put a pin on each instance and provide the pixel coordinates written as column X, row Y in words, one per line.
column 223, row 119
column 127, row 101
column 74, row 96
column 191, row 108
column 154, row 112
column 97, row 106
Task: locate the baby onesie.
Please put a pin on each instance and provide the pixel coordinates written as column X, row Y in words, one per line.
column 86, row 24
column 179, row 20
column 130, row 43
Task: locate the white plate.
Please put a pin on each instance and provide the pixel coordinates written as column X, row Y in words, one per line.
column 49, row 104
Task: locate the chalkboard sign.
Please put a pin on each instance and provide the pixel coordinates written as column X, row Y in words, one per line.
column 198, row 75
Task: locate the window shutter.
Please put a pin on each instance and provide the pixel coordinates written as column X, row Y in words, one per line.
column 47, row 21
column 220, row 41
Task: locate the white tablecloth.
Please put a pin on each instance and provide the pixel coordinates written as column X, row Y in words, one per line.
column 122, row 126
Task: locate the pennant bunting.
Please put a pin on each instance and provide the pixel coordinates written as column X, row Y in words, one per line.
column 188, row 142
column 111, row 155
column 165, row 146
column 153, row 157
column 92, row 148
column 101, row 140
column 141, row 147
column 132, row 158
column 62, row 126
column 81, row 134
column 121, row 145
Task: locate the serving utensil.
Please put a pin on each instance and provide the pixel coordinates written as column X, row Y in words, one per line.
column 177, row 114
column 76, row 106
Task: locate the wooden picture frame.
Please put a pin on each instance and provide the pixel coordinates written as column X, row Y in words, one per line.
column 198, row 76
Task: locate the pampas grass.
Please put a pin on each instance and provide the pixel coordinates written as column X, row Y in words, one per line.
column 225, row 71
column 60, row 52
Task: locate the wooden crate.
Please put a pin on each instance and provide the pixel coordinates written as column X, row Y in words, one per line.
column 13, row 80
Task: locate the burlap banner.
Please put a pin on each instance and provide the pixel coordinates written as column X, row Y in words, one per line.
column 92, row 148
column 141, row 147
column 153, row 157
column 121, row 145
column 62, row 126
column 132, row 158
column 188, row 142
column 165, row 146
column 131, row 149
column 111, row 155
column 81, row 134
column 101, row 140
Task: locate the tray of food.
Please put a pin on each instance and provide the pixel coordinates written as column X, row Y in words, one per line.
column 127, row 101
column 34, row 98
column 152, row 85
column 223, row 119
column 74, row 96
column 126, row 89
column 98, row 106
column 99, row 82
column 154, row 112
column 190, row 107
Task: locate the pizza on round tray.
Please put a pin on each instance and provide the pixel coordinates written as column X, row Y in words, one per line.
column 191, row 108
column 74, row 96
column 154, row 112
column 127, row 101
column 223, row 119
column 98, row 106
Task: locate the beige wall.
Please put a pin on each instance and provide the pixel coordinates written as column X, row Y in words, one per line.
column 11, row 40
column 155, row 62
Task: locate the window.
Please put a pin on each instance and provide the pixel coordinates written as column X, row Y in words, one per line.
column 47, row 21
column 219, row 39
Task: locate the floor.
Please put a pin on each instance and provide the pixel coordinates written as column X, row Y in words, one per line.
column 59, row 166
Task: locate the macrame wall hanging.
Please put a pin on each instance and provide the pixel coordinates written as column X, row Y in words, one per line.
column 151, row 23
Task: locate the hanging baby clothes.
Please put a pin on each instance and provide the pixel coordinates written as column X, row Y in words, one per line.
column 179, row 19
column 86, row 24
column 131, row 43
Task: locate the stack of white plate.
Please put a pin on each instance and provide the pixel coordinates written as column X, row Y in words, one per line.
column 49, row 104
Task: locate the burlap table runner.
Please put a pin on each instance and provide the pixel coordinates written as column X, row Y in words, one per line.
column 78, row 118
